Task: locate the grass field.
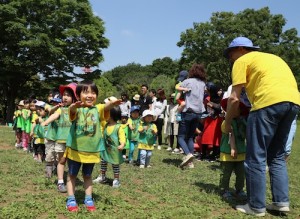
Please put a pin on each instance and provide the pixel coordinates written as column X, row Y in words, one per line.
column 163, row 191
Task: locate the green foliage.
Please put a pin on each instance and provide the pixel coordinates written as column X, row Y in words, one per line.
column 163, row 191
column 106, row 89
column 168, row 84
column 205, row 42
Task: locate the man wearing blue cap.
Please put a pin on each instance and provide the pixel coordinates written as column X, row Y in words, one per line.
column 272, row 90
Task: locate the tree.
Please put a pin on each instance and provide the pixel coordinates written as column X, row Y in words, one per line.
column 165, row 66
column 106, row 89
column 205, row 42
column 164, row 82
column 49, row 38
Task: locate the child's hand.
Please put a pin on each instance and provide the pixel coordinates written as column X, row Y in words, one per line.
column 153, row 132
column 77, row 104
column 43, row 124
column 233, row 153
column 120, row 147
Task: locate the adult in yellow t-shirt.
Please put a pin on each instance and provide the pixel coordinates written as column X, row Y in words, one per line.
column 273, row 93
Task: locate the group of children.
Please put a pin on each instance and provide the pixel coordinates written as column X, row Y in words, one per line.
column 77, row 131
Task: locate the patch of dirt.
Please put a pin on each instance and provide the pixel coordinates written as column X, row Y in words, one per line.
column 6, row 147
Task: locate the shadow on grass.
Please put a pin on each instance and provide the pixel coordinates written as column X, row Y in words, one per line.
column 174, row 161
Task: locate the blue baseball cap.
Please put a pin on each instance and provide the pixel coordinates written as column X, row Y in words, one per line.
column 240, row 42
column 134, row 108
column 183, row 75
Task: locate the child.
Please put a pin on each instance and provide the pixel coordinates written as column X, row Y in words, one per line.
column 115, row 139
column 38, row 132
column 124, row 126
column 33, row 117
column 179, row 98
column 233, row 149
column 51, row 159
column 85, row 140
column 172, row 125
column 26, row 125
column 133, row 123
column 148, row 132
column 18, row 125
column 61, row 115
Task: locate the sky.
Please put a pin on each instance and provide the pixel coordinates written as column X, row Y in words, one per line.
column 141, row 31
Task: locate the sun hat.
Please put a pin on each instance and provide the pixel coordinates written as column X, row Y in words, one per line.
column 135, row 108
column 136, row 97
column 72, row 86
column 182, row 75
column 245, row 105
column 240, row 42
column 123, row 114
column 41, row 104
column 147, row 113
column 21, row 103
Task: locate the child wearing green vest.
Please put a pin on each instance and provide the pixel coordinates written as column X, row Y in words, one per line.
column 125, row 127
column 147, row 138
column 18, row 124
column 233, row 150
column 85, row 140
column 61, row 116
column 133, row 133
column 115, row 139
column 26, row 125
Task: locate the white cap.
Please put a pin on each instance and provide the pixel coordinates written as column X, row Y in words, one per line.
column 40, row 104
column 147, row 113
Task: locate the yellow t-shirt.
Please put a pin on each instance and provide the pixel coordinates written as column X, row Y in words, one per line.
column 86, row 157
column 146, row 146
column 268, row 79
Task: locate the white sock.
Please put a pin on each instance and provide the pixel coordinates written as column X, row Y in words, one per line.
column 60, row 181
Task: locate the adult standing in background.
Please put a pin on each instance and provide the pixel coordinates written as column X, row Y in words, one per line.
column 145, row 99
column 272, row 90
column 192, row 110
column 159, row 107
column 125, row 105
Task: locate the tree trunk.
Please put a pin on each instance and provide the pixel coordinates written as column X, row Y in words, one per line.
column 11, row 94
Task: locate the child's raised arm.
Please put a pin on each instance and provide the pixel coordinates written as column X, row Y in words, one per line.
column 53, row 117
column 112, row 101
column 73, row 109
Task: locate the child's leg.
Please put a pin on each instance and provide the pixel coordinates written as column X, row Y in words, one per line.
column 103, row 168
column 240, row 175
column 116, row 170
column 73, row 172
column 148, row 156
column 87, row 170
column 226, row 170
column 143, row 154
column 131, row 150
column 60, row 167
column 50, row 156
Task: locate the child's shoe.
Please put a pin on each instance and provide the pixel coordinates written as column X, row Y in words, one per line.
column 227, row 195
column 116, row 183
column 100, row 179
column 240, row 194
column 142, row 166
column 72, row 205
column 159, row 147
column 89, row 204
column 169, row 149
column 61, row 187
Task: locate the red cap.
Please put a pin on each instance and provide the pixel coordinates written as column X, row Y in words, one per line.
column 72, row 86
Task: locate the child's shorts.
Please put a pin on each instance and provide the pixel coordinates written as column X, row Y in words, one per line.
column 74, row 166
column 52, row 148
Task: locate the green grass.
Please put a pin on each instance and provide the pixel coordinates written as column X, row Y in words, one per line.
column 163, row 191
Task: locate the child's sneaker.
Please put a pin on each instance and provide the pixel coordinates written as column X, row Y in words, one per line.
column 72, row 205
column 176, row 151
column 100, row 179
column 159, row 147
column 142, row 166
column 227, row 195
column 240, row 194
column 116, row 183
column 169, row 149
column 89, row 204
column 61, row 187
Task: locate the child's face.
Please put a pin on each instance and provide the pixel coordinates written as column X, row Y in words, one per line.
column 148, row 118
column 124, row 119
column 41, row 111
column 135, row 114
column 50, row 96
column 88, row 97
column 67, row 98
column 26, row 106
column 32, row 107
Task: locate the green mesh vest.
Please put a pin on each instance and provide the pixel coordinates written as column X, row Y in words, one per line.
column 239, row 130
column 85, row 132
column 111, row 154
column 63, row 125
column 134, row 134
column 147, row 137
